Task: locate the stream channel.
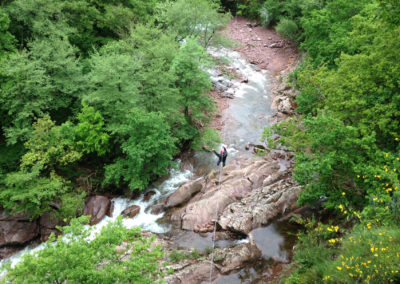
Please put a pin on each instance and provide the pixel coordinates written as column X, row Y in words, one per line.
column 244, row 119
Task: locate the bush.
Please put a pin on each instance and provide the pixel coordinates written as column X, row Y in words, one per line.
column 367, row 255
column 270, row 12
column 74, row 259
column 288, row 28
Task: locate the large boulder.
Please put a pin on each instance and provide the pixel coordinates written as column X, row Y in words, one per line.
column 260, row 207
column 218, row 192
column 184, row 193
column 97, row 207
column 131, row 211
column 15, row 232
column 194, row 274
column 234, row 257
column 204, row 210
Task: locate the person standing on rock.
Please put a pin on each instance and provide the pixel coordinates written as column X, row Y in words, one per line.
column 221, row 156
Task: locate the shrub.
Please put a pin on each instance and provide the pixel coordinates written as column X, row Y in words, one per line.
column 74, row 259
column 288, row 28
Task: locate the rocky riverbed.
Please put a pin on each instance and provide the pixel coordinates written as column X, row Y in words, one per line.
column 252, row 192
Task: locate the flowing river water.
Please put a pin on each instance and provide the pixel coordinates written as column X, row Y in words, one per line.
column 244, row 120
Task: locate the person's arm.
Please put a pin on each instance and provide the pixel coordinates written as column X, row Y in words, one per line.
column 226, row 152
column 218, row 155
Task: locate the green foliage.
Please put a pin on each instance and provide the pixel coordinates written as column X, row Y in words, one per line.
column 7, row 40
column 347, row 143
column 287, row 28
column 72, row 205
column 112, row 90
column 48, row 148
column 90, row 135
column 88, row 24
column 193, row 81
column 248, row 8
column 326, row 31
column 176, row 256
column 74, row 259
column 30, row 192
column 366, row 254
column 200, row 19
column 148, row 150
column 106, row 80
column 207, row 137
column 46, row 79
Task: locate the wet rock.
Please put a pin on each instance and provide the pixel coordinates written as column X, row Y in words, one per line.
column 227, row 96
column 184, row 193
column 131, row 211
column 148, row 195
column 193, row 274
column 15, row 232
column 245, row 80
column 8, row 251
column 110, row 209
column 157, row 209
column 260, row 207
column 234, row 258
column 97, row 207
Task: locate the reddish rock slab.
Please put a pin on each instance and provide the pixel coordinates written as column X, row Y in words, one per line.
column 97, row 207
column 131, row 211
column 14, row 232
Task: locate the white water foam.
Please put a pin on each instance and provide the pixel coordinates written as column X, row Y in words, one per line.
column 144, row 219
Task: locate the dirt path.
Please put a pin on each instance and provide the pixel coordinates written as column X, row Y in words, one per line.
column 262, row 46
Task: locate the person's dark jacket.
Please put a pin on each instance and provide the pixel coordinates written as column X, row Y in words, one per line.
column 221, row 156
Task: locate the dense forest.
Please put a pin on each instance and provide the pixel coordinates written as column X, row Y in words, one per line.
column 111, row 91
column 346, row 136
column 102, row 91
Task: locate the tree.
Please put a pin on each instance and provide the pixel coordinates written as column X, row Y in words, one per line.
column 113, row 85
column 30, row 192
column 192, row 18
column 193, row 82
column 45, row 80
column 7, row 40
column 90, row 135
column 148, row 150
